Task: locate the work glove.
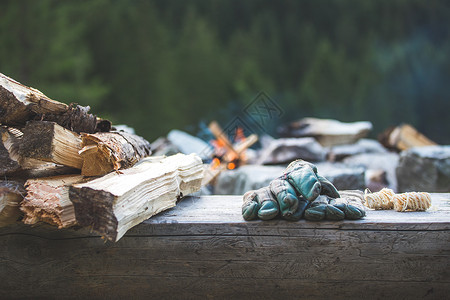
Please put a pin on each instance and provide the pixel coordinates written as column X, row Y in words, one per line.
column 348, row 206
column 289, row 195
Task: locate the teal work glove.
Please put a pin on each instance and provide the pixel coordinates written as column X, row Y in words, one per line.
column 289, row 194
column 348, row 206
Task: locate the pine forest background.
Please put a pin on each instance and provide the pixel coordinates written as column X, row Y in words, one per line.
column 159, row 65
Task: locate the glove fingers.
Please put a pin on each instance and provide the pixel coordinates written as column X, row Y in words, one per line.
column 316, row 213
column 354, row 212
column 286, row 197
column 328, row 188
column 334, row 214
column 250, row 206
column 296, row 211
column 268, row 205
column 268, row 210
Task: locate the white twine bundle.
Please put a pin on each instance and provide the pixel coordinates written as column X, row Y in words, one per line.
column 387, row 199
column 411, row 201
column 379, row 200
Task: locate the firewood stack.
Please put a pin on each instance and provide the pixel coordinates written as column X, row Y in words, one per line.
column 66, row 167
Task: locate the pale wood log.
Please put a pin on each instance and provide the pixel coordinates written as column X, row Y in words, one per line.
column 203, row 248
column 118, row 201
column 48, row 201
column 327, row 132
column 51, row 142
column 404, row 137
column 19, row 104
column 11, row 193
column 104, row 152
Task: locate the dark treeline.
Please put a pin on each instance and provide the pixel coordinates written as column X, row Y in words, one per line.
column 158, row 65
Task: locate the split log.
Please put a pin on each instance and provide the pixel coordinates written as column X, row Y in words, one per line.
column 403, row 137
column 47, row 200
column 104, row 152
column 116, row 202
column 19, row 104
column 11, row 194
column 8, row 146
column 51, row 142
column 14, row 165
column 326, row 131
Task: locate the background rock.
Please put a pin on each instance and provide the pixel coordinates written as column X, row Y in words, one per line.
column 250, row 177
column 283, row 151
column 338, row 153
column 188, row 144
column 424, row 169
column 375, row 162
column 343, row 177
column 245, row 178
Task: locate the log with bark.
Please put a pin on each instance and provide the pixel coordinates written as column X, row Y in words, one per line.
column 104, row 152
column 116, row 202
column 19, row 104
column 13, row 165
column 51, row 142
column 11, row 194
column 47, row 200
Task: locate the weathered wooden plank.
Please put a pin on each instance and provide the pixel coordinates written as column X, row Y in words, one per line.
column 170, row 257
column 194, row 264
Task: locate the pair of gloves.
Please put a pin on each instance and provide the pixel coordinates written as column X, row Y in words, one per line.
column 301, row 192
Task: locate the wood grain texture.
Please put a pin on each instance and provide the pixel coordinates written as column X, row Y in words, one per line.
column 203, row 248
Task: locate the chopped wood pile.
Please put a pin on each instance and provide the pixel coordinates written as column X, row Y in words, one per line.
column 66, row 167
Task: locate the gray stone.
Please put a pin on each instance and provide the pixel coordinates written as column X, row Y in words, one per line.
column 338, row 153
column 251, row 177
column 343, row 177
column 188, row 144
column 283, row 151
column 424, row 169
column 246, row 178
column 375, row 162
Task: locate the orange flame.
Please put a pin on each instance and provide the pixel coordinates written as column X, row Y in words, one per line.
column 231, row 166
column 215, row 163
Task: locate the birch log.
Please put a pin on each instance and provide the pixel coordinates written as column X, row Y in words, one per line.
column 116, row 202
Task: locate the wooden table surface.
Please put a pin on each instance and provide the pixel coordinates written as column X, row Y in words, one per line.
column 203, row 248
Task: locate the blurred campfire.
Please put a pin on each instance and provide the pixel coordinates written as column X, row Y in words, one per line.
column 227, row 154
